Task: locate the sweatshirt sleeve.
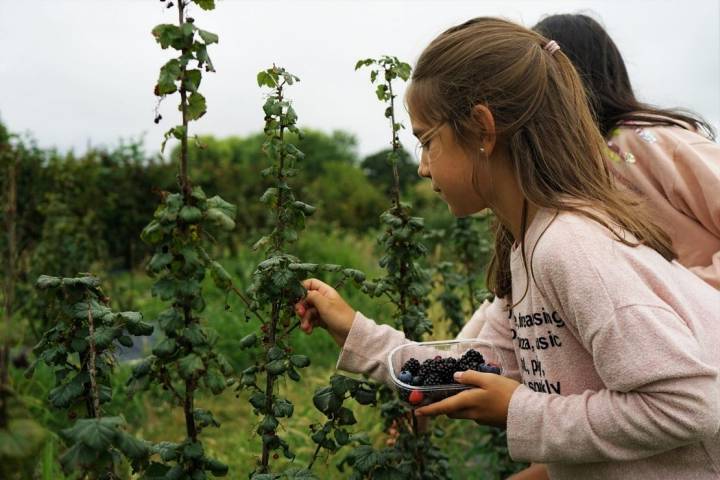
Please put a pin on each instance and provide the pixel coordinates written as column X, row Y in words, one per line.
column 696, row 192
column 661, row 393
column 368, row 344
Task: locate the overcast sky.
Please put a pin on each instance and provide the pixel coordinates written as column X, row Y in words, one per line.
column 74, row 72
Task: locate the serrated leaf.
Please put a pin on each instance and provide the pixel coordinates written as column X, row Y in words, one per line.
column 190, row 366
column 196, row 106
column 208, row 37
column 132, row 447
column 205, row 4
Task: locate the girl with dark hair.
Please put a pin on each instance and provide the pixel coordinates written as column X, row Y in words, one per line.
column 667, row 156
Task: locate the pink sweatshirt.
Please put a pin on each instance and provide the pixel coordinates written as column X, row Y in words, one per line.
column 678, row 172
column 617, row 350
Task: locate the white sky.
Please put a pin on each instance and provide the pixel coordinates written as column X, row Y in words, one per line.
column 79, row 71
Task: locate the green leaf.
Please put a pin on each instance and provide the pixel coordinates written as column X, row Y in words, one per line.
column 215, row 382
column 342, row 437
column 217, row 468
column 282, row 408
column 265, row 78
column 165, row 347
column 202, row 57
column 169, row 74
column 63, row 395
column 164, row 288
column 326, row 401
column 168, row 451
column 208, row 37
column 205, row 418
column 45, row 282
column 268, row 424
column 381, row 92
column 345, row 416
column 167, row 34
column 170, row 320
column 364, row 63
column 131, row 446
column 300, row 361
column 96, row 433
column 221, row 217
column 125, row 341
column 190, row 365
column 276, row 367
column 191, row 80
column 304, row 207
column 196, row 106
column 275, row 353
column 136, row 326
column 220, row 276
column 269, row 196
column 193, row 450
column 205, row 4
column 257, row 400
column 248, row 341
column 77, row 457
column 364, row 395
column 104, row 336
column 189, row 214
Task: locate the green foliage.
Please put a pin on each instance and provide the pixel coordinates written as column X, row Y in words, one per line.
column 407, row 285
column 79, row 348
column 183, row 227
column 460, row 279
column 277, row 285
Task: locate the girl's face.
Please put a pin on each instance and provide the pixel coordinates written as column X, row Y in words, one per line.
column 450, row 169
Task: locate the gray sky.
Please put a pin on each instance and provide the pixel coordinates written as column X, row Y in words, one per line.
column 80, row 71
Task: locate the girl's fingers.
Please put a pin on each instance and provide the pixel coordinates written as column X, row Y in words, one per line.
column 315, row 284
column 306, row 323
column 300, row 308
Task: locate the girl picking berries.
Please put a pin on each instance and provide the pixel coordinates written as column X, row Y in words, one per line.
column 610, row 347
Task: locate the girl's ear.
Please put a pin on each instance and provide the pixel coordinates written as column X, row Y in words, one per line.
column 486, row 126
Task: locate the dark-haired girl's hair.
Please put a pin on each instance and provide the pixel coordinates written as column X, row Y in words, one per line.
column 602, row 70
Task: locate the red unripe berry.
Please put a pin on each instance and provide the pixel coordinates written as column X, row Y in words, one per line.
column 416, row 396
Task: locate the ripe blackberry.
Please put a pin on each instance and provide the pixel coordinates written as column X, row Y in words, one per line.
column 473, row 356
column 411, row 366
column 433, row 379
column 445, row 369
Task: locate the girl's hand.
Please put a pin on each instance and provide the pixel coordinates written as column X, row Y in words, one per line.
column 487, row 404
column 323, row 306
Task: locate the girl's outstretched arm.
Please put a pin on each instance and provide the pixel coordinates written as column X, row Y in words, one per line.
column 365, row 344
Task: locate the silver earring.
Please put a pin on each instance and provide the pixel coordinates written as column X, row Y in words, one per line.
column 482, row 149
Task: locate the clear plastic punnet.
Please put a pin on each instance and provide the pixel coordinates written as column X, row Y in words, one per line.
column 422, row 351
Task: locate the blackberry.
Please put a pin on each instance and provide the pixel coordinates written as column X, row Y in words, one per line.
column 411, row 366
column 445, row 369
column 473, row 356
column 433, row 379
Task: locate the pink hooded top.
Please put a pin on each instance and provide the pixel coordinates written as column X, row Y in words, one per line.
column 678, row 172
column 617, row 350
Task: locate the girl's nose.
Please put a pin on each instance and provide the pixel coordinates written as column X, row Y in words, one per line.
column 423, row 170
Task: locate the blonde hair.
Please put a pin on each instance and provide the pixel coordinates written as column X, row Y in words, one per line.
column 541, row 114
